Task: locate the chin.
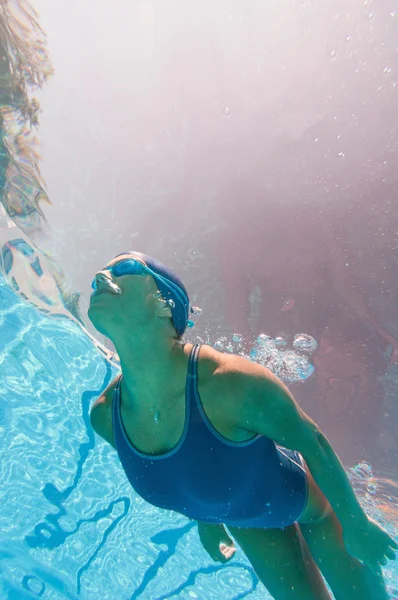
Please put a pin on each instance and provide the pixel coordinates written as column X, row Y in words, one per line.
column 95, row 317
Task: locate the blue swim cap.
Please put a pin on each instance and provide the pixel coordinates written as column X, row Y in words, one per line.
column 171, row 288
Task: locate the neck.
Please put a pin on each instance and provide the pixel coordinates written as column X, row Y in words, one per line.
column 151, row 371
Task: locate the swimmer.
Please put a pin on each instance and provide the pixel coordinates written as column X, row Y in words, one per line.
column 222, row 441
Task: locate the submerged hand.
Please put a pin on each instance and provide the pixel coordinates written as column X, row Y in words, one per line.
column 216, row 541
column 370, row 543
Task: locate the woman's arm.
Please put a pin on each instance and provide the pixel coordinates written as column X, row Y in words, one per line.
column 270, row 409
column 265, row 406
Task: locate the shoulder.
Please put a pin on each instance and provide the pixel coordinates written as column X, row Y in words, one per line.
column 232, row 369
column 253, row 399
column 233, row 379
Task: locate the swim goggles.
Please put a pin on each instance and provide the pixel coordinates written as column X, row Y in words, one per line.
column 177, row 300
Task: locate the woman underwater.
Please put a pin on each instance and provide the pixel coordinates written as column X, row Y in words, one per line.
column 222, row 441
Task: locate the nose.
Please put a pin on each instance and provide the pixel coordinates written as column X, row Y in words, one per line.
column 101, row 277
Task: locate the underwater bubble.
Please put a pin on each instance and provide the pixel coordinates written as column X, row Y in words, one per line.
column 333, row 54
column 221, row 343
column 263, row 348
column 287, row 365
column 386, row 70
column 264, row 339
column 272, row 359
column 288, row 304
column 363, row 470
column 347, row 39
column 262, row 354
column 227, row 111
column 372, row 488
column 341, row 154
column 195, row 310
column 237, row 337
column 295, row 367
column 194, row 254
column 305, row 342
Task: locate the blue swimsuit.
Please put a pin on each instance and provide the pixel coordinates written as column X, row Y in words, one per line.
column 211, row 479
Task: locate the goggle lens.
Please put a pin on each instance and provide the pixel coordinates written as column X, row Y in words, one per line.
column 129, row 266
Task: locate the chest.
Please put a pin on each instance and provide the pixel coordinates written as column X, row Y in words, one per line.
column 151, row 436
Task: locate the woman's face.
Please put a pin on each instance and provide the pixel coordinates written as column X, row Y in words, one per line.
column 120, row 302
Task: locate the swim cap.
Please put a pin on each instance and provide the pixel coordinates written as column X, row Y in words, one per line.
column 171, row 288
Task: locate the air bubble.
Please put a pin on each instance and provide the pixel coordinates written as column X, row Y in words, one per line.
column 363, row 470
column 194, row 254
column 221, row 343
column 304, row 342
column 264, row 339
column 372, row 488
column 386, row 70
column 237, row 337
column 227, row 111
column 333, row 54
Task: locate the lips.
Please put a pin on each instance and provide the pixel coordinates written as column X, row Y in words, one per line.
column 103, row 289
column 106, row 288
